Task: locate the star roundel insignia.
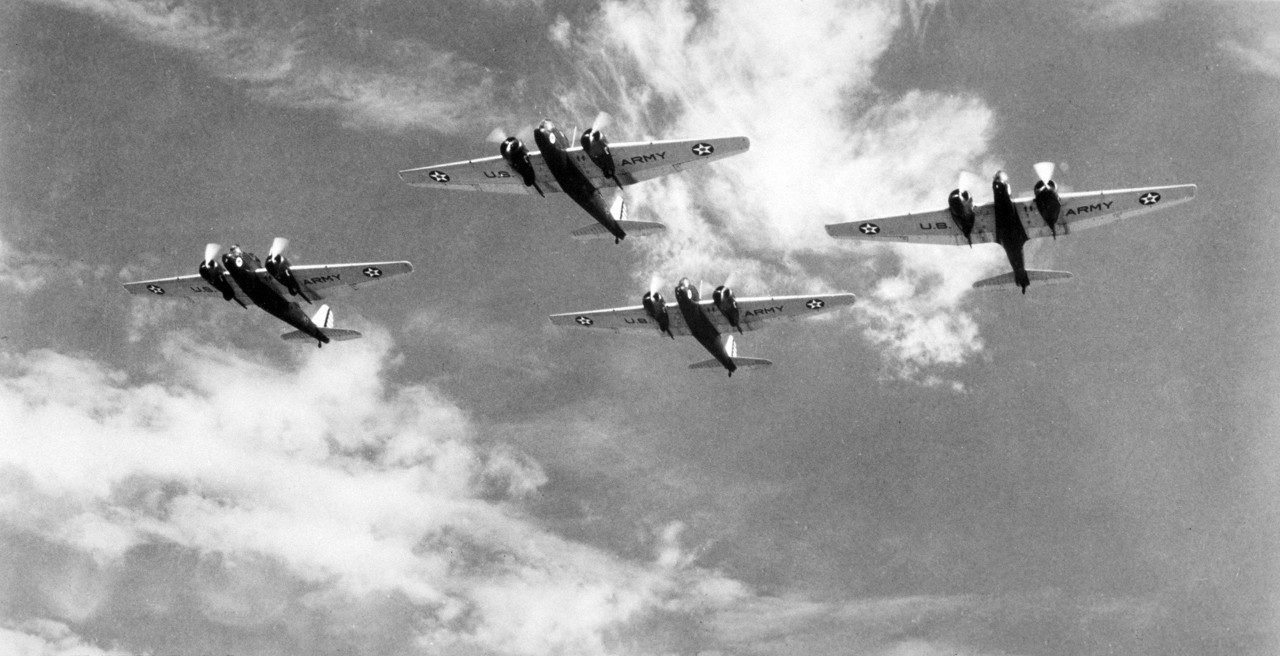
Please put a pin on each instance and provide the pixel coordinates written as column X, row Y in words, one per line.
column 439, row 176
column 584, row 321
column 702, row 149
column 1149, row 198
column 816, row 304
column 869, row 229
column 155, row 289
column 372, row 272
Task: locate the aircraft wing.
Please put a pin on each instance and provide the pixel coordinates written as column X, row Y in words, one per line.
column 934, row 227
column 1080, row 210
column 756, row 311
column 1088, row 209
column 628, row 319
column 191, row 286
column 634, row 162
column 325, row 280
column 640, row 161
column 491, row 174
column 752, row 312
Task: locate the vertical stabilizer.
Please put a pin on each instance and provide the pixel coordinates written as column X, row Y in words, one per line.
column 323, row 317
column 618, row 210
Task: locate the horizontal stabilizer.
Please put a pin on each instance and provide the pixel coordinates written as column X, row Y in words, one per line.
column 741, row 362
column 335, row 334
column 1008, row 279
column 630, row 227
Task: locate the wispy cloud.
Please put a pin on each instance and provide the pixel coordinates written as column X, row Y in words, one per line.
column 827, row 145
column 285, row 56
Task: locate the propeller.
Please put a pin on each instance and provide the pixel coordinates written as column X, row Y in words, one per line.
column 654, row 283
column 211, row 251
column 1044, row 170
column 601, row 121
column 498, row 136
column 277, row 247
column 968, row 181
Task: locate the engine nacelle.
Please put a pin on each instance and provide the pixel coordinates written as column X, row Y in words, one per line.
column 514, row 151
column 213, row 273
column 1049, row 204
column 961, row 206
column 724, row 301
column 597, row 148
column 280, row 269
column 656, row 307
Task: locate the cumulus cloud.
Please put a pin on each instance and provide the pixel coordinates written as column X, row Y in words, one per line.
column 827, row 146
column 362, row 497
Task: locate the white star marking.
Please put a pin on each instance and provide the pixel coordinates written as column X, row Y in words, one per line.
column 372, row 272
column 155, row 289
column 584, row 321
column 703, row 149
column 439, row 176
column 1149, row 198
column 815, row 304
column 869, row 229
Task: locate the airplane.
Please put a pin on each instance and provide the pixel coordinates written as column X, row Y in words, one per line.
column 1012, row 222
column 582, row 172
column 241, row 277
column 711, row 322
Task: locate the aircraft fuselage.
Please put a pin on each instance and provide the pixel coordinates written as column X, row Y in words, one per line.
column 243, row 267
column 1010, row 233
column 700, row 326
column 554, row 148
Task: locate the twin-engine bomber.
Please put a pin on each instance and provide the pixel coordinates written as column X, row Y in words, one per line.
column 710, row 321
column 1012, row 222
column 241, row 277
column 583, row 172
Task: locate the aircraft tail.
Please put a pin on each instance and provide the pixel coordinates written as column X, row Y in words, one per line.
column 618, row 210
column 1009, row 279
column 731, row 349
column 323, row 319
column 739, row 361
column 632, row 228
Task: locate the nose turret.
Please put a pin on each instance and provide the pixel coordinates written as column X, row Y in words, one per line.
column 1000, row 184
column 687, row 290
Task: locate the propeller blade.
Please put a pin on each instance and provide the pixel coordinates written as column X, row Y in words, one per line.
column 968, row 181
column 1044, row 170
column 277, row 246
column 602, row 121
column 654, row 283
column 211, row 251
column 498, row 136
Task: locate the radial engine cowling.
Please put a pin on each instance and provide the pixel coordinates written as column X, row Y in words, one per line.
column 961, row 205
column 656, row 307
column 723, row 299
column 597, row 148
column 278, row 266
column 514, row 151
column 213, row 273
column 1049, row 204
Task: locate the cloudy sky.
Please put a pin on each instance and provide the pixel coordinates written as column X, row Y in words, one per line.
column 1090, row 468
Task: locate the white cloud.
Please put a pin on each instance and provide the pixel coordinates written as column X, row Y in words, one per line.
column 359, row 491
column 1261, row 58
column 275, row 55
column 48, row 638
column 827, row 146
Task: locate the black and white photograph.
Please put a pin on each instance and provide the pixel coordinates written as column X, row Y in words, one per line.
column 639, row 327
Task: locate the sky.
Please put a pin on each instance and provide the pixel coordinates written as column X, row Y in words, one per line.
column 1090, row 468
